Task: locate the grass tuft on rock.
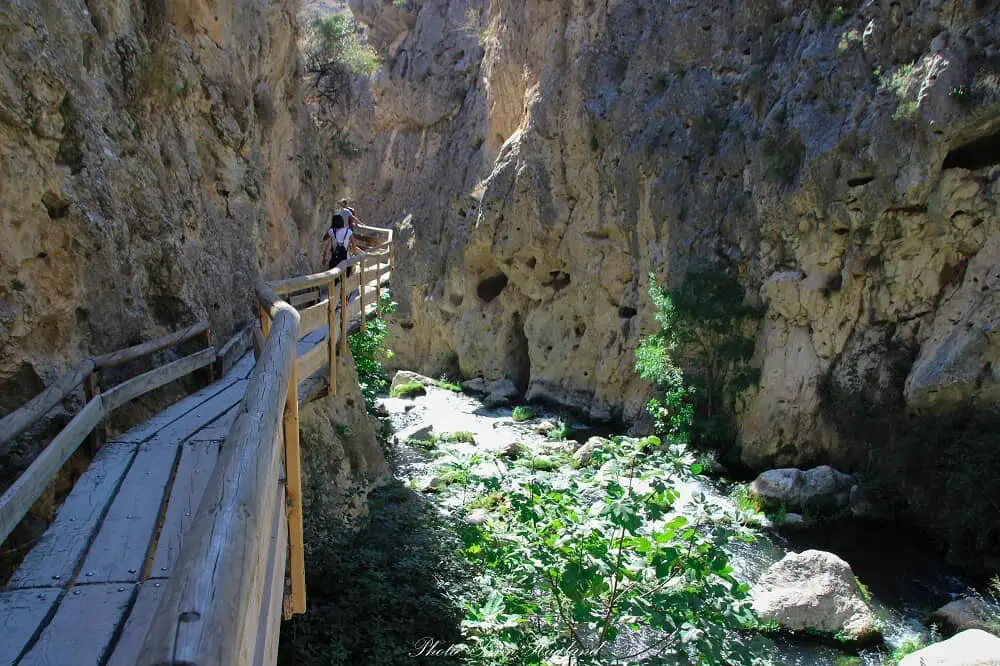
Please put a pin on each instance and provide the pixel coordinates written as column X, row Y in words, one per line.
column 408, row 390
column 523, row 413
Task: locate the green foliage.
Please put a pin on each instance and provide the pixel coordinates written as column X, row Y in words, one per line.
column 334, row 41
column 707, row 323
column 368, row 349
column 448, row 386
column 907, row 647
column 902, row 83
column 744, row 499
column 408, row 390
column 574, row 562
column 782, row 156
column 423, row 444
column 460, row 436
column 523, row 413
column 848, row 38
column 560, row 432
column 866, row 594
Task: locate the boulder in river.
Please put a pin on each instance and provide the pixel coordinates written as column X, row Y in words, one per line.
column 583, row 455
column 972, row 647
column 475, row 386
column 964, row 613
column 820, row 490
column 407, row 377
column 815, row 591
column 500, row 393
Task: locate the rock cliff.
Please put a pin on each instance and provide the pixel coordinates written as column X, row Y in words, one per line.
column 155, row 159
column 842, row 160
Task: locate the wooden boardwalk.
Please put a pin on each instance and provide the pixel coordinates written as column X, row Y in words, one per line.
column 136, row 568
column 86, row 592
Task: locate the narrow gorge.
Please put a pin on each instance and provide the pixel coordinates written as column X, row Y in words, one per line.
column 691, row 353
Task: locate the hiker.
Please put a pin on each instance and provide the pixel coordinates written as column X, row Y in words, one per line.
column 338, row 242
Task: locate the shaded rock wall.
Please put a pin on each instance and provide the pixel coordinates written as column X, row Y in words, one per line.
column 155, row 159
column 841, row 160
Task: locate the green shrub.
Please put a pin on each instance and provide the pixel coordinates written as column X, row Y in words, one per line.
column 782, row 157
column 408, row 390
column 560, row 432
column 460, row 436
column 543, row 463
column 907, row 647
column 423, row 444
column 523, row 413
column 448, row 386
column 368, row 349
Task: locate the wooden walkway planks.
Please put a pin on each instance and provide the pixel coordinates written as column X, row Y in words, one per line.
column 120, row 549
column 82, row 631
column 56, row 556
column 193, row 421
column 217, row 430
column 130, row 643
column 21, row 613
column 196, row 465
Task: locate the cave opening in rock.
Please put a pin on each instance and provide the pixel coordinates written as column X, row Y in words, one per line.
column 978, row 154
column 489, row 288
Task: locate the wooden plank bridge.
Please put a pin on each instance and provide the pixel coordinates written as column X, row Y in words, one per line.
column 182, row 541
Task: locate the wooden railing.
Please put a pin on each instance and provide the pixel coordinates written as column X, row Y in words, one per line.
column 22, row 494
column 224, row 607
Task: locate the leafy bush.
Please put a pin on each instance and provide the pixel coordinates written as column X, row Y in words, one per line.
column 408, row 390
column 575, row 562
column 782, row 157
column 448, row 386
column 368, row 349
column 706, row 323
column 523, row 413
column 561, row 431
column 335, row 52
column 907, row 647
column 460, row 436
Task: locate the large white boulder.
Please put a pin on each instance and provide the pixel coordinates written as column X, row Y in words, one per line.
column 815, row 591
column 820, row 490
column 972, row 647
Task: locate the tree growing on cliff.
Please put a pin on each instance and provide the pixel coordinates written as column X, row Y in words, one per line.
column 335, row 52
column 706, row 325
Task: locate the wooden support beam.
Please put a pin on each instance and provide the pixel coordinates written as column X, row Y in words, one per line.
column 296, row 603
column 21, row 419
column 138, row 351
column 331, row 339
column 91, row 389
column 258, row 342
column 17, row 500
column 147, row 381
column 378, row 284
column 361, row 294
column 343, row 317
column 232, row 350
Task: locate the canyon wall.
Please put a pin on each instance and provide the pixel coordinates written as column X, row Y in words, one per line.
column 156, row 157
column 841, row 160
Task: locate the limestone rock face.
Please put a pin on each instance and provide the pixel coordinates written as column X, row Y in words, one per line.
column 156, row 159
column 973, row 647
column 843, row 164
column 814, row 590
column 965, row 613
column 341, row 458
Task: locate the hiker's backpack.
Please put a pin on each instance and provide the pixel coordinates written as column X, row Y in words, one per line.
column 339, row 248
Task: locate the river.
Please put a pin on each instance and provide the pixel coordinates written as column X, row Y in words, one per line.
column 905, row 573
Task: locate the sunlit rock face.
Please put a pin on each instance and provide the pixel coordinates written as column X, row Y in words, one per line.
column 843, row 163
column 155, row 159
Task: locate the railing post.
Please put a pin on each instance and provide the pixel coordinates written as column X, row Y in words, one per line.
column 343, row 315
column 91, row 388
column 265, row 322
column 378, row 284
column 331, row 340
column 209, row 372
column 361, row 291
column 296, row 603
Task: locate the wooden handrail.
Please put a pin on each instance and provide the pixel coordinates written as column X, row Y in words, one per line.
column 209, row 608
column 17, row 500
column 286, row 286
column 21, row 419
column 123, row 356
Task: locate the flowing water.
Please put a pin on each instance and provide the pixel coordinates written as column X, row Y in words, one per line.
column 905, row 574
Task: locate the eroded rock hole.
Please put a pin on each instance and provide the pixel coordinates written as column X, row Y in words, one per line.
column 456, row 299
column 978, row 154
column 489, row 288
column 56, row 206
column 858, row 181
column 627, row 312
column 558, row 280
column 580, row 329
column 406, row 325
